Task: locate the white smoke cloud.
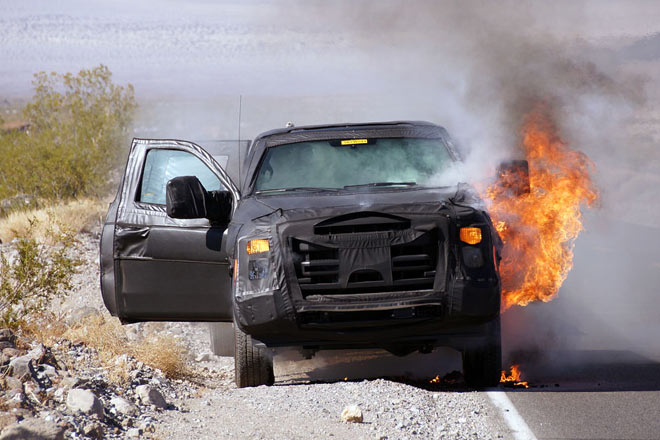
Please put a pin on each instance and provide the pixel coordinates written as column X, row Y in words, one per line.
column 475, row 67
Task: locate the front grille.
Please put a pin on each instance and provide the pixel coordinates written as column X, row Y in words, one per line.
column 361, row 222
column 414, row 264
column 315, row 265
column 413, row 267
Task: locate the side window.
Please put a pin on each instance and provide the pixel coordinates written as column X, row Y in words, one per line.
column 162, row 165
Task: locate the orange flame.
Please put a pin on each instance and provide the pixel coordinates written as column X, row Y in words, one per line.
column 539, row 228
column 514, row 377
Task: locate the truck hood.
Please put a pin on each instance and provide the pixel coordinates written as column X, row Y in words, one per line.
column 363, row 200
column 256, row 213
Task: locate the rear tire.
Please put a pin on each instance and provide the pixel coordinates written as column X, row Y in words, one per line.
column 222, row 338
column 253, row 366
column 482, row 365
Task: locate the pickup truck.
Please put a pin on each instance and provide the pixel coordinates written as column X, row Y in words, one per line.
column 333, row 237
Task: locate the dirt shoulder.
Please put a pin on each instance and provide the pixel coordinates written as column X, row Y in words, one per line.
column 73, row 389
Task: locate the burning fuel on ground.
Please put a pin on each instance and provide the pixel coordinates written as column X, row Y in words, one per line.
column 513, row 379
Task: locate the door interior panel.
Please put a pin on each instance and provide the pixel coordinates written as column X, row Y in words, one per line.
column 189, row 244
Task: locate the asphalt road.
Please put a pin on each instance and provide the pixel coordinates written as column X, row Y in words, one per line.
column 591, row 395
column 591, row 356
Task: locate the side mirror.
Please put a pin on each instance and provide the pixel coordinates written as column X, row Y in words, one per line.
column 513, row 176
column 187, row 198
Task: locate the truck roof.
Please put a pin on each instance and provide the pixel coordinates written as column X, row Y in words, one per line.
column 344, row 126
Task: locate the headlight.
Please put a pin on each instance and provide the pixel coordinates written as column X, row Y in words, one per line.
column 258, row 269
column 256, row 264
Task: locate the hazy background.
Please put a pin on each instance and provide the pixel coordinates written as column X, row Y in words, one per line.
column 474, row 67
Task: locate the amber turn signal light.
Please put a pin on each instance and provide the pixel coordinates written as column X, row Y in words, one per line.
column 257, row 246
column 471, row 235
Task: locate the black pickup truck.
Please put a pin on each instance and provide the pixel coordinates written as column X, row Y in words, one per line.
column 334, row 236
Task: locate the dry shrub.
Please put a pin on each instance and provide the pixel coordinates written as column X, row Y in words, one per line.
column 109, row 338
column 79, row 128
column 33, row 274
column 104, row 334
column 163, row 352
column 76, row 216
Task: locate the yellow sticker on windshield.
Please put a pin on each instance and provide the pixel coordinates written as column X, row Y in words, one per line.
column 354, row 141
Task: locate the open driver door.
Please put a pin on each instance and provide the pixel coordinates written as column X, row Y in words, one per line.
column 157, row 268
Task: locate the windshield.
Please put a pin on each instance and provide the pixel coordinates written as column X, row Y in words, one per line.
column 341, row 163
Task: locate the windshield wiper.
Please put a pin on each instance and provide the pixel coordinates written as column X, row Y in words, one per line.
column 298, row 188
column 375, row 184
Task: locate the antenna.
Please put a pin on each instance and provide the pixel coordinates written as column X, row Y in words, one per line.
column 240, row 108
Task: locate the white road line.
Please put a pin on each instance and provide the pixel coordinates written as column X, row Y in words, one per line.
column 513, row 419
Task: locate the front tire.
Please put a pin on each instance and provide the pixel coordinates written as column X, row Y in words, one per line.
column 482, row 364
column 253, row 366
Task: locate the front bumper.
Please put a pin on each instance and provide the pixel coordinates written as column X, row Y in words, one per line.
column 428, row 318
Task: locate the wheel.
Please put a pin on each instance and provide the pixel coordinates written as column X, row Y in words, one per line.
column 222, row 338
column 253, row 366
column 482, row 365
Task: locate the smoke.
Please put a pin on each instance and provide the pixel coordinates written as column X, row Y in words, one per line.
column 475, row 67
column 479, row 68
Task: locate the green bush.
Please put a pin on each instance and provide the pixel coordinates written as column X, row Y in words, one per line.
column 78, row 132
column 32, row 274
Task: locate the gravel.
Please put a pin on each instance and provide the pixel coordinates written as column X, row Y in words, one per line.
column 306, row 401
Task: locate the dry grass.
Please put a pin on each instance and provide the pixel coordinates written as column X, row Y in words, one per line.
column 75, row 216
column 47, row 329
column 108, row 337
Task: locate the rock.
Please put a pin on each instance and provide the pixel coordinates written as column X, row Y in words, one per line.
column 11, row 352
column 4, row 359
column 70, row 382
column 7, row 335
column 352, row 413
column 84, row 401
column 32, row 389
column 37, row 353
column 204, row 357
column 41, row 355
column 7, row 418
column 147, row 427
column 6, row 344
column 82, row 313
column 151, row 396
column 13, row 385
column 123, row 406
column 33, row 429
column 131, row 333
column 16, row 401
column 58, row 394
column 21, row 367
column 93, row 430
column 134, row 433
column 48, row 370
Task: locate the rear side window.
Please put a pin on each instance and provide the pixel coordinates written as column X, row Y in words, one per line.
column 162, row 165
